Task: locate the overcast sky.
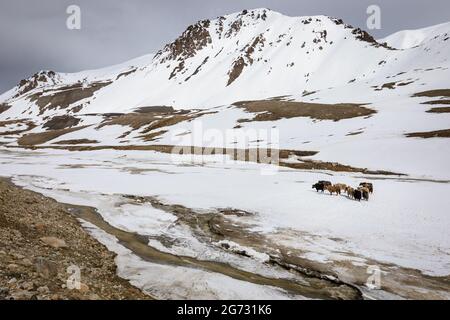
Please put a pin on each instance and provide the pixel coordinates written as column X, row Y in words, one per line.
column 34, row 36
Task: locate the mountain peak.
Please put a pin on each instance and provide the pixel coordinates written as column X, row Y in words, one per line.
column 412, row 38
column 251, row 22
column 252, row 36
column 39, row 79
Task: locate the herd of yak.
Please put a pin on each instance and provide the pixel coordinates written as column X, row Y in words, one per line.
column 362, row 192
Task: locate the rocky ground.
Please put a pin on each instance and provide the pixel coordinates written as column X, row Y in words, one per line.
column 41, row 248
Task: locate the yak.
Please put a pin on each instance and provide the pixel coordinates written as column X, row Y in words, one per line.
column 350, row 191
column 319, row 187
column 334, row 189
column 341, row 186
column 365, row 192
column 367, row 185
column 357, row 194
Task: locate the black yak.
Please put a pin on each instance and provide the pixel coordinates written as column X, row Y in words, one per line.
column 319, row 187
column 357, row 194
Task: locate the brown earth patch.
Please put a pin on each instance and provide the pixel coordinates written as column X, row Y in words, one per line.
column 61, row 122
column 280, row 98
column 151, row 121
column 152, row 136
column 433, row 93
column 430, row 134
column 235, row 212
column 389, row 85
column 276, row 110
column 9, row 122
column 156, row 109
column 76, row 141
column 30, row 125
column 437, row 102
column 134, row 120
column 442, row 93
column 169, row 121
column 105, row 115
column 334, row 166
column 65, row 96
column 439, row 110
column 33, row 139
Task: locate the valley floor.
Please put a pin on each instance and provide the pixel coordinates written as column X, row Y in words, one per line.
column 191, row 227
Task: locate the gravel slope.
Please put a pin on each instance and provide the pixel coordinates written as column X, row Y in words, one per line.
column 39, row 240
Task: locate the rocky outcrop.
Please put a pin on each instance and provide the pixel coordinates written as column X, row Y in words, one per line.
column 236, row 70
column 195, row 38
column 41, row 78
column 4, row 107
column 246, row 59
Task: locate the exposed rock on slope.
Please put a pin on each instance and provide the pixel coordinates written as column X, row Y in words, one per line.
column 4, row 107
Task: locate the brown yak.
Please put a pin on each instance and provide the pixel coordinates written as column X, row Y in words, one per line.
column 334, row 189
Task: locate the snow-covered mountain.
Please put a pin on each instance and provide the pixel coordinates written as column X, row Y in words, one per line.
column 406, row 39
column 253, row 55
column 248, row 55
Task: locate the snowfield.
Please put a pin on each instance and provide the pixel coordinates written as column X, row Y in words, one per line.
column 404, row 223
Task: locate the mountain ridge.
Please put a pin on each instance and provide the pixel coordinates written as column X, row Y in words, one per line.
column 255, row 55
